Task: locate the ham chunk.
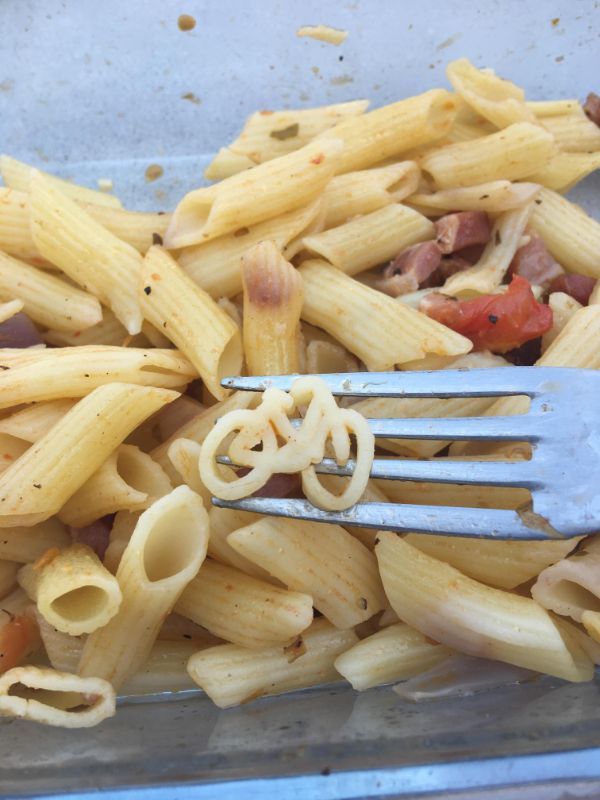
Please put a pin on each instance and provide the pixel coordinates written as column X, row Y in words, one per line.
column 409, row 270
column 462, row 229
column 579, row 287
column 534, row 262
column 592, row 107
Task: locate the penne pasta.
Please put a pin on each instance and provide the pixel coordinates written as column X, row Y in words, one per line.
column 554, row 108
column 516, row 152
column 9, row 309
column 216, row 265
column 325, row 562
column 63, row 651
column 33, row 421
column 72, row 590
column 17, row 175
column 394, row 653
column 498, row 100
column 47, row 300
column 95, row 695
column 565, row 170
column 269, row 134
column 74, row 372
column 393, row 129
column 492, row 197
column 476, row 619
column 326, row 357
column 574, row 133
column 172, row 302
column 154, row 570
column 268, row 190
column 184, row 455
column 139, row 229
column 96, row 259
column 224, row 521
column 11, row 449
column 121, row 532
column 571, row 235
column 243, row 610
column 165, row 670
column 28, row 544
column 129, row 480
column 495, row 260
column 15, row 233
column 394, row 334
column 563, row 308
column 371, row 239
column 361, row 192
column 230, row 674
column 62, row 460
column 502, row 564
column 107, row 332
column 273, row 298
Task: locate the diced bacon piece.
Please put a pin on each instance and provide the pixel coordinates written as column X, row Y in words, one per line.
column 592, row 107
column 95, row 535
column 462, row 229
column 534, row 263
column 578, row 286
column 19, row 331
column 410, row 269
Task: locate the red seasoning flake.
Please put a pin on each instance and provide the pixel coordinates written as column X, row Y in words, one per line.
column 318, row 159
column 155, row 276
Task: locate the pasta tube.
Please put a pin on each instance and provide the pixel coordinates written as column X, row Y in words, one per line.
column 273, row 298
column 574, row 133
column 494, row 196
column 96, row 259
column 230, row 674
column 571, row 586
column 473, row 618
column 372, row 325
column 325, row 562
column 154, row 570
column 39, row 483
column 33, row 421
column 242, row 609
column 28, row 544
column 272, row 188
column 73, row 591
column 191, row 319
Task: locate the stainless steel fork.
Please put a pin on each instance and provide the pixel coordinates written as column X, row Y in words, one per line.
column 563, row 475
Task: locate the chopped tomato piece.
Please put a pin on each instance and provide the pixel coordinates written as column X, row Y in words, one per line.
column 18, row 638
column 496, row 322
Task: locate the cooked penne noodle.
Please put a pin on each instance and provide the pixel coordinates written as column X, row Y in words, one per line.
column 243, row 610
column 395, row 333
column 165, row 670
column 264, row 192
column 224, row 521
column 361, row 192
column 15, row 233
column 96, row 695
column 487, row 274
column 571, row 586
column 554, row 108
column 563, row 308
column 184, row 455
column 510, row 154
column 11, row 448
column 230, row 674
column 565, row 170
column 129, row 480
column 9, row 309
column 494, row 196
column 503, row 564
column 452, row 494
column 574, row 133
column 17, row 175
column 471, row 617
column 571, row 235
column 370, row 240
column 325, row 562
column 273, row 298
column 121, row 532
column 269, row 134
column 63, row 651
column 8, row 577
column 198, row 427
column 140, row 229
column 325, row 357
column 393, row 129
column 591, row 622
column 75, row 372
column 28, row 544
column 48, row 300
column 107, row 332
column 33, row 421
column 394, row 653
column 72, row 590
column 215, row 266
column 62, row 460
column 496, row 99
column 155, row 568
column 96, row 259
column 172, row 302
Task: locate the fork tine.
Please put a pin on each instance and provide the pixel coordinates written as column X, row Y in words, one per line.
column 443, row 383
column 451, row 521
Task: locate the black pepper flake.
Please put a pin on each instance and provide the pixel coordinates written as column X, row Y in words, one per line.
column 3, row 367
column 37, row 485
column 157, row 238
column 484, row 197
column 538, row 202
column 498, row 238
column 325, row 772
column 241, row 232
column 340, row 58
column 285, row 133
column 86, row 374
column 362, row 603
column 493, row 319
column 377, row 541
column 187, row 635
column 147, row 289
column 161, row 213
column 165, row 324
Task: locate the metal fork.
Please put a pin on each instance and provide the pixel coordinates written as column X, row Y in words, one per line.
column 563, row 475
